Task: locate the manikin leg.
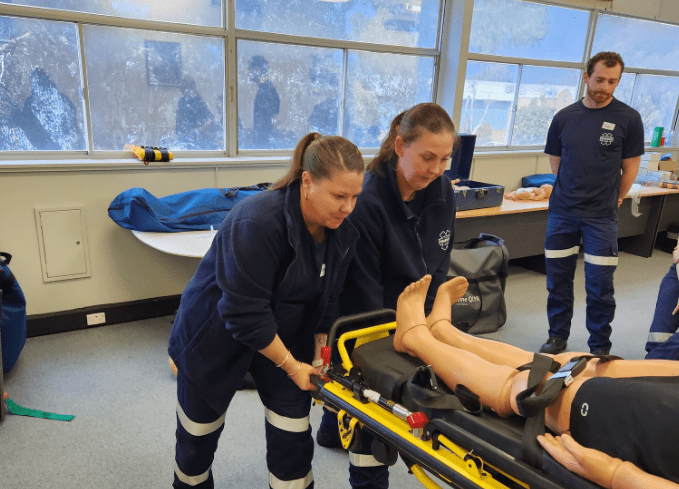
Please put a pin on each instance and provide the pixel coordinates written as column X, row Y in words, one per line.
column 439, row 324
column 491, row 382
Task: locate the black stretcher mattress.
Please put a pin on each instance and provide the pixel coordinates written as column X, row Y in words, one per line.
column 384, row 369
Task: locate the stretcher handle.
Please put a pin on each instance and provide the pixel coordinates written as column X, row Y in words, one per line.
column 360, row 320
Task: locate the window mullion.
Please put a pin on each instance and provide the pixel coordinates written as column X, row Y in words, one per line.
column 634, row 87
column 85, row 88
column 343, row 105
column 331, row 43
column 491, row 58
column 515, row 103
column 673, row 127
column 591, row 29
column 231, row 80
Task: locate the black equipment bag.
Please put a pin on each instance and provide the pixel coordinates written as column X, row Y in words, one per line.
column 13, row 316
column 483, row 261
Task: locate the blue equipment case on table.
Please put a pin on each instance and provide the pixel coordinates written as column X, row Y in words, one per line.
column 479, row 195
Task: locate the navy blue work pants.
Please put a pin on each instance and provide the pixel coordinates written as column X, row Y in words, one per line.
column 663, row 339
column 599, row 238
column 365, row 472
column 290, row 446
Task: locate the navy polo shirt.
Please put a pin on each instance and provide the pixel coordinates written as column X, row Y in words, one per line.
column 592, row 144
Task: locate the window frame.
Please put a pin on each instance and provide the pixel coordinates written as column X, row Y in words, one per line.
column 520, row 62
column 230, row 36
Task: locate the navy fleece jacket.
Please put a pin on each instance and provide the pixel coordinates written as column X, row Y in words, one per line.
column 242, row 293
column 398, row 247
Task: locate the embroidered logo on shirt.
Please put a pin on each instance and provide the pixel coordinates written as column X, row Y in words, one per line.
column 606, row 139
column 609, row 126
column 444, row 239
column 323, row 270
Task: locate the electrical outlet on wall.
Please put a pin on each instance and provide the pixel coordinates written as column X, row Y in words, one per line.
column 96, row 318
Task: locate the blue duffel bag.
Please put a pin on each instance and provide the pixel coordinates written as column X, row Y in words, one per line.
column 538, row 180
column 201, row 209
column 13, row 320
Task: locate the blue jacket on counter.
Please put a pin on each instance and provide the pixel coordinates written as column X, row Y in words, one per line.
column 400, row 241
column 246, row 290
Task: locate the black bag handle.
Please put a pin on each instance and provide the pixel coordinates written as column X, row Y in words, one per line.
column 7, row 282
column 486, row 238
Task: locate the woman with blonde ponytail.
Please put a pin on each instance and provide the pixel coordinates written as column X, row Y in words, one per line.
column 405, row 216
column 268, row 284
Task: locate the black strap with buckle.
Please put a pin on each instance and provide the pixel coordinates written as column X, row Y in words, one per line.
column 533, row 406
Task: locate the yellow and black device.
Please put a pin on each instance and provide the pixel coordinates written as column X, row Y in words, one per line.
column 467, row 450
column 151, row 153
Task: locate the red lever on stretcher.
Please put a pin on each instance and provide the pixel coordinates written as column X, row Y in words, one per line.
column 417, row 420
column 326, row 353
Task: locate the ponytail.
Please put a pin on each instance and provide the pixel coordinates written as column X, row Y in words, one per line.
column 321, row 156
column 297, row 163
column 387, row 150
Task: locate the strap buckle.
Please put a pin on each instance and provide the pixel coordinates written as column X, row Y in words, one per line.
column 570, row 370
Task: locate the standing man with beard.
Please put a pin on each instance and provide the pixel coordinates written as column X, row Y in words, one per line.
column 594, row 148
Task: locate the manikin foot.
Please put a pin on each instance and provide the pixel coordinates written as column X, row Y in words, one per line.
column 410, row 311
column 448, row 294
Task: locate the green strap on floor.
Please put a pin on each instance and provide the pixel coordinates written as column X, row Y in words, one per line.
column 14, row 408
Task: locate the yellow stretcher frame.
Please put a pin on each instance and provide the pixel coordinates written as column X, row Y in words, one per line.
column 453, row 464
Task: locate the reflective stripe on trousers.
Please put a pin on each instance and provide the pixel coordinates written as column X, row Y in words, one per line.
column 198, row 430
column 365, row 472
column 276, row 483
column 600, row 244
column 290, row 446
column 359, row 460
column 289, row 431
column 663, row 342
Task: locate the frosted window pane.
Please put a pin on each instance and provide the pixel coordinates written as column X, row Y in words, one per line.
column 197, row 12
column 489, row 90
column 393, row 22
column 528, row 30
column 285, row 92
column 641, row 43
column 41, row 104
column 155, row 88
column 656, row 98
column 379, row 86
column 624, row 90
column 542, row 93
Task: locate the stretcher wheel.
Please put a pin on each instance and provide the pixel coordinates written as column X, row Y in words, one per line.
column 384, row 453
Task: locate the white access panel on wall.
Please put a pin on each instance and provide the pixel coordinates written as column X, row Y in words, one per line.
column 63, row 243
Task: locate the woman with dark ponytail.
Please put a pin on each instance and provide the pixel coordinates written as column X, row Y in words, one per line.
column 269, row 283
column 405, row 216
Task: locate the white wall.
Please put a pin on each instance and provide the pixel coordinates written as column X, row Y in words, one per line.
column 123, row 269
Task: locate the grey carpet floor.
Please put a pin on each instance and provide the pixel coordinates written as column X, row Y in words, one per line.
column 116, row 381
